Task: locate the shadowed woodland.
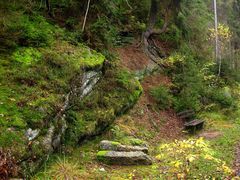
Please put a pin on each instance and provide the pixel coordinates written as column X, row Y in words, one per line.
column 122, row 89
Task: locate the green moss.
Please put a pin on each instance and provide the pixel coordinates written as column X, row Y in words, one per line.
column 92, row 59
column 115, row 143
column 102, row 153
column 26, row 55
column 101, row 156
column 136, row 142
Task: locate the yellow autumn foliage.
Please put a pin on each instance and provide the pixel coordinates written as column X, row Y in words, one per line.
column 181, row 158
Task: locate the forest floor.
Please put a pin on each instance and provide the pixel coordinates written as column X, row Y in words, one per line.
column 146, row 124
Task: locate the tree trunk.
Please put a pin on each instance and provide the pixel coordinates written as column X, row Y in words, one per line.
column 216, row 31
column 150, row 47
column 152, row 18
column 49, row 10
column 171, row 10
column 85, row 17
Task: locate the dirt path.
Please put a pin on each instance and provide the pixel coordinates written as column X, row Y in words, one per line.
column 164, row 124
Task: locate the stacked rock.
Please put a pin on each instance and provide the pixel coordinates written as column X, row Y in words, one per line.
column 117, row 154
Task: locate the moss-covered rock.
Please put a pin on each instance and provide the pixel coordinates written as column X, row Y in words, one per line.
column 116, row 93
column 34, row 96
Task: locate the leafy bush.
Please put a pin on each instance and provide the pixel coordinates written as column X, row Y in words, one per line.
column 173, row 35
column 163, row 97
column 187, row 99
column 191, row 159
column 103, row 31
column 222, row 96
column 30, row 30
column 189, row 82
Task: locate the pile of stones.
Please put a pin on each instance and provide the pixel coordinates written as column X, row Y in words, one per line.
column 115, row 153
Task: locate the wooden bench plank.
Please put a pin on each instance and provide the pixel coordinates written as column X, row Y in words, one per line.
column 194, row 125
column 184, row 112
column 194, row 122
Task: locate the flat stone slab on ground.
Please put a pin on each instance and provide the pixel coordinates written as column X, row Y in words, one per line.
column 115, row 146
column 211, row 134
column 124, row 158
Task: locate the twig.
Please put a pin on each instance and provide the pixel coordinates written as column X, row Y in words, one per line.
column 128, row 4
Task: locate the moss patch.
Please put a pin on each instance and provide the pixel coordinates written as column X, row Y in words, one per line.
column 115, row 143
column 33, row 83
column 101, row 153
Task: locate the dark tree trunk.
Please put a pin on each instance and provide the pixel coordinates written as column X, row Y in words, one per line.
column 153, row 13
column 149, row 46
column 49, row 10
column 171, row 11
column 152, row 18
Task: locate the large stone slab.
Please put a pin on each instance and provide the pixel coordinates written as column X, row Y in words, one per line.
column 115, row 146
column 124, row 158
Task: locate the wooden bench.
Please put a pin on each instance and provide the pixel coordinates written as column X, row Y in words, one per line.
column 191, row 124
column 194, row 125
column 187, row 114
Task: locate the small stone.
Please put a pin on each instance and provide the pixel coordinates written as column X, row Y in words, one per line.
column 102, row 170
column 32, row 134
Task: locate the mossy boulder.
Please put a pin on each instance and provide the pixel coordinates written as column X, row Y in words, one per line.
column 116, row 92
column 34, row 96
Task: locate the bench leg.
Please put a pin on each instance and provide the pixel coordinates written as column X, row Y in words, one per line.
column 194, row 130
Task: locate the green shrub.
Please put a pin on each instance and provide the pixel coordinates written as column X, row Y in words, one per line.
column 188, row 98
column 103, row 32
column 222, row 96
column 30, row 30
column 191, row 159
column 188, row 80
column 162, row 96
column 173, row 35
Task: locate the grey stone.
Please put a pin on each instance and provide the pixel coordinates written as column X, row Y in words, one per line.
column 32, row 134
column 115, row 146
column 89, row 80
column 47, row 141
column 124, row 158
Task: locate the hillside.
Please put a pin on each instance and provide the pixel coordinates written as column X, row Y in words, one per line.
column 156, row 80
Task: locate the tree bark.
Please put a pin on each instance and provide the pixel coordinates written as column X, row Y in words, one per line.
column 49, row 10
column 152, row 18
column 85, row 17
column 153, row 51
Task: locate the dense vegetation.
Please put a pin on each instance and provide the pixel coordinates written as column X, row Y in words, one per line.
column 63, row 77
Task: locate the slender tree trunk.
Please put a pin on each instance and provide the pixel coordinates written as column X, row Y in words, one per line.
column 49, row 10
column 48, row 5
column 85, row 17
column 216, row 30
column 218, row 59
